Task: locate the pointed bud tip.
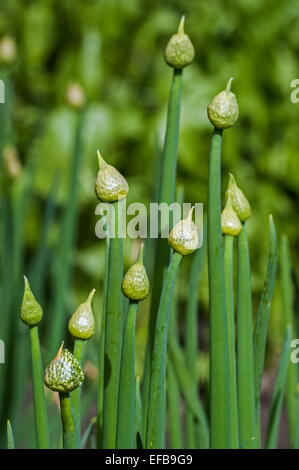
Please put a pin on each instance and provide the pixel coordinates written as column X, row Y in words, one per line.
column 181, row 25
column 229, row 83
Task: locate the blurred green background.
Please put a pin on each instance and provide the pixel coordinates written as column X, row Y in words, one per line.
column 114, row 50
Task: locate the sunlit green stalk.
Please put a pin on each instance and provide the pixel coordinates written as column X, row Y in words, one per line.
column 278, row 393
column 167, row 193
column 40, row 409
column 219, row 365
column 79, row 346
column 245, row 370
column 191, row 336
column 155, row 435
column 288, row 315
column 68, row 420
column 126, row 401
column 102, row 351
column 229, row 296
column 262, row 321
column 113, row 335
column 174, row 409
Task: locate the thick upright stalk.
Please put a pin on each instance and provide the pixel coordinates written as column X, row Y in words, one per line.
column 245, row 368
column 167, row 193
column 79, row 346
column 126, row 401
column 262, row 321
column 68, row 420
column 113, row 335
column 40, row 409
column 155, row 435
column 288, row 314
column 229, row 296
column 102, row 351
column 191, row 336
column 219, row 377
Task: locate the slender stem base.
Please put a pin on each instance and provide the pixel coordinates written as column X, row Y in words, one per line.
column 126, row 402
column 155, row 436
column 68, row 420
column 40, row 409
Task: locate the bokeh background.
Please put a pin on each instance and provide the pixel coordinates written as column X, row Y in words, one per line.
column 113, row 49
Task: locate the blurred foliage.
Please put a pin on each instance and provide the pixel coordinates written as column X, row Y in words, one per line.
column 114, row 49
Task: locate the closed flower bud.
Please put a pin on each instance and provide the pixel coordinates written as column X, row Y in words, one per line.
column 110, row 185
column 179, row 51
column 184, row 237
column 64, row 373
column 81, row 324
column 230, row 222
column 239, row 202
column 223, row 111
column 135, row 283
column 31, row 311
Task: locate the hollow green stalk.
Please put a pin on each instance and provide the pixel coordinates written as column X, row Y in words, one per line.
column 68, row 419
column 174, row 412
column 167, row 193
column 278, row 393
column 262, row 321
column 102, row 351
column 288, row 315
column 40, row 409
column 126, row 401
column 229, row 296
column 191, row 335
column 219, row 363
column 245, row 367
column 113, row 336
column 155, row 435
column 79, row 347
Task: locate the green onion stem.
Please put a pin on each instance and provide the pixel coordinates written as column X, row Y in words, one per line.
column 40, row 408
column 68, row 420
column 126, row 401
column 156, row 409
column 219, row 378
column 245, row 370
column 229, row 296
column 113, row 336
column 167, row 194
column 79, row 346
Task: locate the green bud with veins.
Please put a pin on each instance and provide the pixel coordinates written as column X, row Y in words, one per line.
column 223, row 111
column 64, row 372
column 239, row 200
column 183, row 238
column 179, row 51
column 230, row 222
column 31, row 311
column 135, row 283
column 110, row 185
column 81, row 324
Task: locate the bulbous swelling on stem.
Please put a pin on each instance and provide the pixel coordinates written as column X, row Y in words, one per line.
column 31, row 311
column 230, row 222
column 179, row 51
column 223, row 111
column 239, row 201
column 81, row 324
column 183, row 237
column 110, row 185
column 135, row 284
column 64, row 373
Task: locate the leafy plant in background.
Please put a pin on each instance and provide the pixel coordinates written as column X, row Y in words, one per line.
column 236, row 355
